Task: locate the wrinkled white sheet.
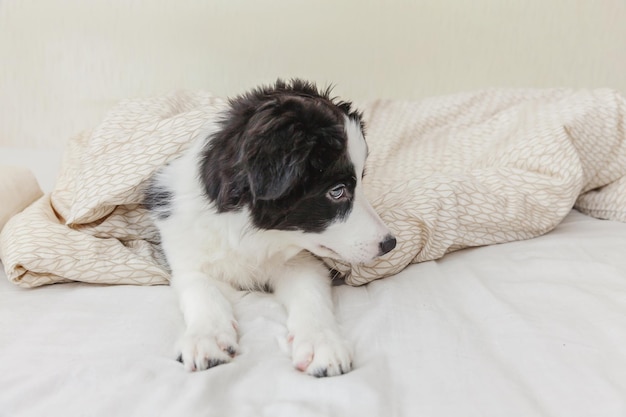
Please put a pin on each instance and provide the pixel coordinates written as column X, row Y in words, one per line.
column 527, row 328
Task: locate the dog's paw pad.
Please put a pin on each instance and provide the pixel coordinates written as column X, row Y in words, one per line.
column 304, row 364
column 321, row 354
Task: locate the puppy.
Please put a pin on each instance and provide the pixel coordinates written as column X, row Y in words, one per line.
column 277, row 182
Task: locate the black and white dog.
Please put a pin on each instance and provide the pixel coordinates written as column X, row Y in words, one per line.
column 277, row 182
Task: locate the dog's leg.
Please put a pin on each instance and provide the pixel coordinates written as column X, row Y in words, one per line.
column 210, row 337
column 316, row 344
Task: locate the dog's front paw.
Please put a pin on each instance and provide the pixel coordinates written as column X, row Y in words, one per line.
column 204, row 350
column 321, row 353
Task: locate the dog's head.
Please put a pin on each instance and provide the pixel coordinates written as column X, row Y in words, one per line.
column 294, row 158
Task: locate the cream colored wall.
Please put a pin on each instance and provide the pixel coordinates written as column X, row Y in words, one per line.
column 64, row 62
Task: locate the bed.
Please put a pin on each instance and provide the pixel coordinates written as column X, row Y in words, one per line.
column 532, row 327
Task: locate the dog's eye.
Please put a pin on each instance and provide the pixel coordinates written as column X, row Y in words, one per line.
column 337, row 192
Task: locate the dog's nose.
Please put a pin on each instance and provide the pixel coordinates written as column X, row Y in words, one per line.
column 387, row 245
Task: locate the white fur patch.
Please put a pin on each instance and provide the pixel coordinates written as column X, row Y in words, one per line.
column 357, row 147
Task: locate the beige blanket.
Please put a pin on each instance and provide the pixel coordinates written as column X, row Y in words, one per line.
column 444, row 173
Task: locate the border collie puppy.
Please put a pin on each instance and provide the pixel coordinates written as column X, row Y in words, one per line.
column 277, row 183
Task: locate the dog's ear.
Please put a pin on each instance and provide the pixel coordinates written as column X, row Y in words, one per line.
column 276, row 149
column 272, row 168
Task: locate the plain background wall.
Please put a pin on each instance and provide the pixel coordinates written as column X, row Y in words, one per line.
column 63, row 63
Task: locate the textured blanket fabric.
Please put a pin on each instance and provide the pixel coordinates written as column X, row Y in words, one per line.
column 444, row 173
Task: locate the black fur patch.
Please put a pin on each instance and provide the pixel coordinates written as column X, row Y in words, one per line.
column 279, row 151
column 211, row 363
column 158, row 200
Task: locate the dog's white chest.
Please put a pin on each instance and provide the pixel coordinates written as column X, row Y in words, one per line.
column 244, row 260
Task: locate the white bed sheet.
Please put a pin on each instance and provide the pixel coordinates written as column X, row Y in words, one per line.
column 520, row 329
